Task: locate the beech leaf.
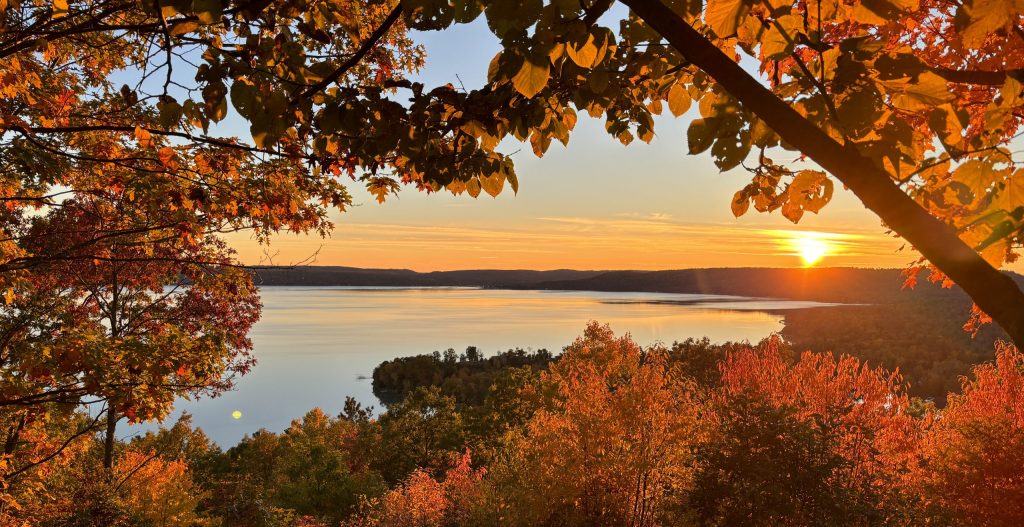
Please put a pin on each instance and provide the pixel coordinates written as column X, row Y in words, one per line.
column 532, row 77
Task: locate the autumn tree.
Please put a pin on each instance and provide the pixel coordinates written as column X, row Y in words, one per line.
column 117, row 180
column 158, row 491
column 141, row 320
column 122, row 95
column 973, row 466
column 817, row 440
column 422, row 501
column 610, row 444
column 49, row 487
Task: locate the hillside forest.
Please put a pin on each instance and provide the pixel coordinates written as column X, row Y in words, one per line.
column 609, row 432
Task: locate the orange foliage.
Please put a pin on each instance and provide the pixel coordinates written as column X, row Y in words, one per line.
column 974, row 452
column 867, row 406
column 158, row 491
column 422, row 501
column 612, row 443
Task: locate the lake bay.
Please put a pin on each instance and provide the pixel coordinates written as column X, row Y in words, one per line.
column 317, row 345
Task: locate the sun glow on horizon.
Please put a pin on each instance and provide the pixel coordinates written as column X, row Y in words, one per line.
column 811, row 247
column 577, row 242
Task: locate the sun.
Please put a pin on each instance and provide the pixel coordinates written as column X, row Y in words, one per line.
column 811, row 248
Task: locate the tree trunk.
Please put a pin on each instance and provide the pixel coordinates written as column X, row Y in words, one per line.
column 108, row 441
column 994, row 292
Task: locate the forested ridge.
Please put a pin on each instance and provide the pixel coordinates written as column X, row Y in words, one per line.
column 326, row 275
column 823, row 284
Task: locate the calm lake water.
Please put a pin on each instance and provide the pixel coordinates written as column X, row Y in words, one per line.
column 316, row 345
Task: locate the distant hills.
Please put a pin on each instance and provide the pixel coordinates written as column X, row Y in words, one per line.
column 315, row 275
column 846, row 285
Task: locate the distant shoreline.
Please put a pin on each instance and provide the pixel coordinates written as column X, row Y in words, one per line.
column 826, row 284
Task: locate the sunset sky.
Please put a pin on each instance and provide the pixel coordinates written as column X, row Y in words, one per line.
column 592, row 205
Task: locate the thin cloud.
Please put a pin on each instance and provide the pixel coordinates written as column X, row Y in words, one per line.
column 642, row 241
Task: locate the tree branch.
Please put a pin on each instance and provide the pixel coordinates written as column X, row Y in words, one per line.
column 359, row 54
column 994, row 292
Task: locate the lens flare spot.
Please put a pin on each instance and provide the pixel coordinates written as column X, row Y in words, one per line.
column 237, row 414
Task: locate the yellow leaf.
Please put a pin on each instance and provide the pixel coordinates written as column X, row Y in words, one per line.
column 678, row 100
column 984, row 238
column 60, row 8
column 775, row 44
column 166, row 156
column 457, row 187
column 826, row 9
column 556, row 52
column 821, row 197
column 532, row 77
column 1002, row 107
column 995, row 254
column 927, row 91
column 792, row 211
column 978, row 176
column 1011, row 197
column 881, row 12
column 473, row 187
column 493, row 184
column 584, row 54
column 9, row 296
column 946, row 125
column 144, row 138
column 739, row 204
column 988, row 16
column 725, row 16
column 184, row 28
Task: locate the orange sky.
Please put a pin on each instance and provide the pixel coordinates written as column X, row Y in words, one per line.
column 592, row 205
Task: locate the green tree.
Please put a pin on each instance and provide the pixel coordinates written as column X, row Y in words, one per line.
column 425, row 431
column 315, row 468
column 317, row 471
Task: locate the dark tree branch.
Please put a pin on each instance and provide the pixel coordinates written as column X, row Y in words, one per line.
column 86, row 429
column 352, row 61
column 979, row 77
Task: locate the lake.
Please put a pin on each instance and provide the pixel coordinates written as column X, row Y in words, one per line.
column 316, row 345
